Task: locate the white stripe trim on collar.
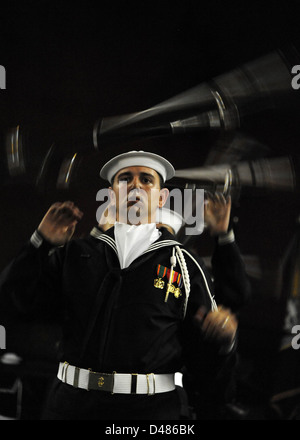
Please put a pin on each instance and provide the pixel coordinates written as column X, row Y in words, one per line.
column 161, row 244
column 111, row 242
column 103, row 237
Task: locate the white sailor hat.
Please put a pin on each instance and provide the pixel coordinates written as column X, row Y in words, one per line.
column 171, row 218
column 138, row 158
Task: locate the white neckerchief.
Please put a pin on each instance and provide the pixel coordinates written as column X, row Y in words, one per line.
column 132, row 240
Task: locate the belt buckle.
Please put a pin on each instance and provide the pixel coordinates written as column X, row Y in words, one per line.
column 101, row 381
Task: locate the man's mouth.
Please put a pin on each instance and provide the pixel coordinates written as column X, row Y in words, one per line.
column 133, row 199
column 136, row 201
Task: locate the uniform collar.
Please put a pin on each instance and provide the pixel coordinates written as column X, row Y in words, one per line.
column 132, row 241
column 97, row 231
column 108, row 237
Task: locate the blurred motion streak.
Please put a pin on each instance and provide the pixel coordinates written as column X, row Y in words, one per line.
column 221, row 103
column 273, row 173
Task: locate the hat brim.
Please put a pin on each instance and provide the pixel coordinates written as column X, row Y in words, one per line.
column 137, row 158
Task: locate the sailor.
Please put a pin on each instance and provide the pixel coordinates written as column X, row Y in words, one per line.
column 134, row 305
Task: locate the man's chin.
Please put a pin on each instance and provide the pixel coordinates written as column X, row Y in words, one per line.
column 136, row 213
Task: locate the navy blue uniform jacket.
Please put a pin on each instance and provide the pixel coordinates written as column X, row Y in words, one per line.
column 113, row 319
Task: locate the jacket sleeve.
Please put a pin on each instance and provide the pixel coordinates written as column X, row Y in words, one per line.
column 31, row 281
column 207, row 365
column 232, row 286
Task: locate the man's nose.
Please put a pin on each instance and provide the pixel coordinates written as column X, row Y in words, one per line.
column 135, row 183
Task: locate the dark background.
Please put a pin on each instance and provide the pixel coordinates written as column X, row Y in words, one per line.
column 69, row 64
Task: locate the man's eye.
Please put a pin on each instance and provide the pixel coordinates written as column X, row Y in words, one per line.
column 147, row 180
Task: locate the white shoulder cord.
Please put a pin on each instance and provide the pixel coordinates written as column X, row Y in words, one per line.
column 186, row 278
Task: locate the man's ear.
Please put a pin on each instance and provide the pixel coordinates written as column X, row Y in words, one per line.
column 163, row 196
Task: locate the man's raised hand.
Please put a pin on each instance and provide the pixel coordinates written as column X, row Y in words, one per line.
column 59, row 223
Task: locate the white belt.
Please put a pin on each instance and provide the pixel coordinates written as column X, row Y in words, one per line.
column 117, row 382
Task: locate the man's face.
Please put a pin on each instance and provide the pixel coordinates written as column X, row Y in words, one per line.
column 137, row 195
